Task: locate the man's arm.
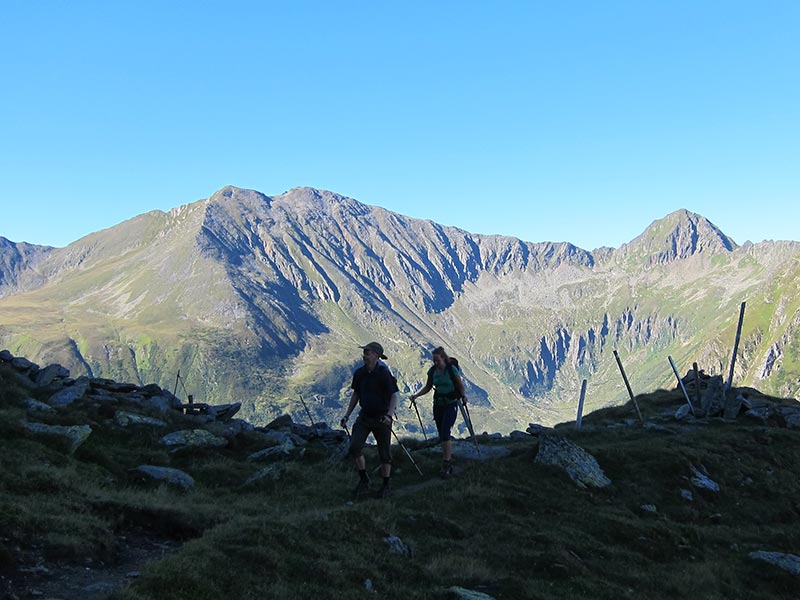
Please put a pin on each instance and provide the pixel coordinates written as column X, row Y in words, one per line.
column 350, row 408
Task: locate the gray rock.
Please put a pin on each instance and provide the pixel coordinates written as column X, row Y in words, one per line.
column 581, row 466
column 75, row 435
column 536, row 429
column 648, row 508
column 398, row 546
column 6, row 356
column 702, row 481
column 787, row 562
column 164, row 402
column 46, row 376
column 732, row 406
column 714, row 397
column 193, row 438
column 683, row 412
column 124, row 418
column 23, row 365
column 282, row 451
column 687, row 495
column 172, row 477
column 650, row 426
column 467, row 450
column 458, row 593
column 271, row 473
column 519, row 435
column 70, row 393
column 36, row 406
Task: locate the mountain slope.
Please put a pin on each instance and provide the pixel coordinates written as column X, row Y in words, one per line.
column 256, row 298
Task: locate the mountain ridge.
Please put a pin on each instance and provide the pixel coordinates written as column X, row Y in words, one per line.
column 284, row 287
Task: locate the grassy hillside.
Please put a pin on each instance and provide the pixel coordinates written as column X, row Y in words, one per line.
column 507, row 527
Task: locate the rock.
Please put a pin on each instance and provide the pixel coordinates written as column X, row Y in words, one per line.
column 193, row 438
column 703, row 482
column 36, row 406
column 45, row 377
column 271, row 473
column 23, row 365
column 164, row 402
column 172, row 477
column 70, row 393
column 732, row 406
column 683, row 412
column 466, row 449
column 458, row 593
column 581, row 466
column 282, row 422
column 74, row 435
column 6, row 356
column 224, row 412
column 536, row 429
column 650, row 426
column 714, row 397
column 787, row 562
column 282, row 451
column 687, row 495
column 519, row 435
column 648, row 508
column 398, row 546
column 124, row 418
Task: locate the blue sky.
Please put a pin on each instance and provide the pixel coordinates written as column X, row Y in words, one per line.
column 548, row 121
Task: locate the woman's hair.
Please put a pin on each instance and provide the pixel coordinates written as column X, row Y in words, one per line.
column 440, row 351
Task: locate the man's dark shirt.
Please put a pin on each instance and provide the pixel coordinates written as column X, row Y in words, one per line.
column 374, row 390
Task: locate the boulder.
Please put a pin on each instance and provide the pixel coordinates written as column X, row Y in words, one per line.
column 45, row 377
column 702, row 481
column 459, row 593
column 581, row 466
column 787, row 562
column 193, row 438
column 124, row 419
column 398, row 546
column 74, row 435
column 70, row 394
column 172, row 477
column 271, row 473
column 714, row 397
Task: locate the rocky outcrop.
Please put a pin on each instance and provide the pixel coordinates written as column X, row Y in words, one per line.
column 581, row 466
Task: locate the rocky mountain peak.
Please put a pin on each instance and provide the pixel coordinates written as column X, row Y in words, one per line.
column 679, row 235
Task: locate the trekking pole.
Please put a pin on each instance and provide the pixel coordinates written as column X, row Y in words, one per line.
column 465, row 415
column 307, row 411
column 177, row 378
column 421, row 426
column 408, row 454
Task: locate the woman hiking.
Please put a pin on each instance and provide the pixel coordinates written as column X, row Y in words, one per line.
column 445, row 379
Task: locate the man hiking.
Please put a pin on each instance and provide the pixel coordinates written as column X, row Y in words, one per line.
column 375, row 391
column 445, row 378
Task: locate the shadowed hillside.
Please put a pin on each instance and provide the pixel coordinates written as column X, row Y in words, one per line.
column 124, row 492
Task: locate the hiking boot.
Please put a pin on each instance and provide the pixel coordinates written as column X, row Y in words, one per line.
column 384, row 492
column 362, row 488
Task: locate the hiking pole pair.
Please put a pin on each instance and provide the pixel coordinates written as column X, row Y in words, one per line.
column 408, row 454
column 468, row 420
column 421, row 426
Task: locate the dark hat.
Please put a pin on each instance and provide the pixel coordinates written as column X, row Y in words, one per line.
column 376, row 348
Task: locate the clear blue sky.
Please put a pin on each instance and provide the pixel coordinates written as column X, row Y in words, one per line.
column 548, row 121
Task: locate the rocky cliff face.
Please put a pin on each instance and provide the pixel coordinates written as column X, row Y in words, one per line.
column 255, row 298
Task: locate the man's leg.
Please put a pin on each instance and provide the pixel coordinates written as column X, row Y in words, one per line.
column 383, row 437
column 358, row 438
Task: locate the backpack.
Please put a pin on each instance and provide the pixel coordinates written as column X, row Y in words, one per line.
column 452, row 361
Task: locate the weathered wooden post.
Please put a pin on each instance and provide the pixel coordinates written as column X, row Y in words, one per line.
column 680, row 382
column 628, row 386
column 579, row 419
column 735, row 347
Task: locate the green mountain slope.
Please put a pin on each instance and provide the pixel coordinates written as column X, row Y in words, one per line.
column 258, row 299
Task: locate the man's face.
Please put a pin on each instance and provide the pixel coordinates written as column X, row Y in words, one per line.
column 370, row 358
column 438, row 361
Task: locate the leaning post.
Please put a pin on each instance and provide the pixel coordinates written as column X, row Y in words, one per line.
column 579, row 418
column 683, row 387
column 735, row 347
column 628, row 386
